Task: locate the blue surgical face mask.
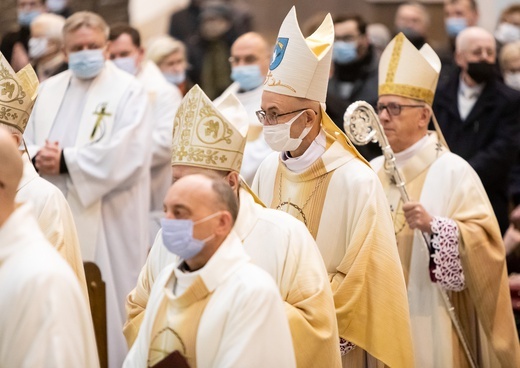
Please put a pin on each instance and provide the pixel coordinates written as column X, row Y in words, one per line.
column 344, row 52
column 247, row 76
column 25, row 17
column 175, row 78
column 128, row 64
column 177, row 236
column 86, row 64
column 56, row 6
column 454, row 25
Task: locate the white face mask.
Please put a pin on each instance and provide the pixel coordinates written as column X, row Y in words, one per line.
column 37, row 47
column 56, row 6
column 128, row 64
column 512, row 80
column 507, row 33
column 278, row 136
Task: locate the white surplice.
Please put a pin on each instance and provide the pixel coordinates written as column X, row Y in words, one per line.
column 282, row 246
column 53, row 214
column 108, row 184
column 256, row 149
column 164, row 100
column 44, row 321
column 243, row 324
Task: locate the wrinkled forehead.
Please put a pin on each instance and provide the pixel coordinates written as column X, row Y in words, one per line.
column 385, row 99
column 478, row 41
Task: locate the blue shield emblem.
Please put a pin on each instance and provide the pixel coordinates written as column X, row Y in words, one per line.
column 279, row 52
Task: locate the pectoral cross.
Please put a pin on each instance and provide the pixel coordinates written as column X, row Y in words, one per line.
column 100, row 114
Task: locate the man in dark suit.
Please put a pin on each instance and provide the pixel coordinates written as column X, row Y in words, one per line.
column 480, row 116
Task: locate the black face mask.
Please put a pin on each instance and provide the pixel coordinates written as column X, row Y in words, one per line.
column 481, row 72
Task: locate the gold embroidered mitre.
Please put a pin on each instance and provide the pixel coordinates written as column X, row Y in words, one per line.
column 18, row 92
column 300, row 66
column 407, row 72
column 207, row 135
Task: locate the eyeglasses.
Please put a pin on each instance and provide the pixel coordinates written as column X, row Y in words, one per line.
column 393, row 108
column 272, row 118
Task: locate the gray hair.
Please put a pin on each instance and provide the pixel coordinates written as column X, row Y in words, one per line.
column 85, row 19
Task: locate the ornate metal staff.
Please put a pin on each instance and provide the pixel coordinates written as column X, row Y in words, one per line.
column 362, row 126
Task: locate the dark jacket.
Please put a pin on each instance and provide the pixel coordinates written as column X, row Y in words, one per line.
column 489, row 137
column 363, row 75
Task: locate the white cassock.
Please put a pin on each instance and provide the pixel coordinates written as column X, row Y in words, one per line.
column 242, row 322
column 256, row 149
column 106, row 144
column 282, row 246
column 44, row 321
column 51, row 210
column 164, row 99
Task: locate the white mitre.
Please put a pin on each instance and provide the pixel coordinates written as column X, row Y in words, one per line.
column 301, row 66
column 18, row 93
column 407, row 72
column 208, row 135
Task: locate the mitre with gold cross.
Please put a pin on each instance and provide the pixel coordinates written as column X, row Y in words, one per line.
column 208, row 135
column 18, row 93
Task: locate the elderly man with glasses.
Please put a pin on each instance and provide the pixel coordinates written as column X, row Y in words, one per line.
column 318, row 177
column 447, row 234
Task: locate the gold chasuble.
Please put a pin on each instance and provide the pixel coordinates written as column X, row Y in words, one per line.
column 181, row 316
column 302, row 195
column 342, row 203
column 448, row 187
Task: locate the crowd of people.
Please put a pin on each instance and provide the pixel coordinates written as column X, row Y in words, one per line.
column 218, row 183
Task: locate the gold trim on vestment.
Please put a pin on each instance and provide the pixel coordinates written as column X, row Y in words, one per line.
column 394, row 59
column 307, row 203
column 405, row 90
column 176, row 323
column 202, row 136
column 17, row 94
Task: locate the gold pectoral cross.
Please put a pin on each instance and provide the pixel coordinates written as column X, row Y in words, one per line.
column 101, row 113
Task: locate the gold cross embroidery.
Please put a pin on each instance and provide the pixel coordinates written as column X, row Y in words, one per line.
column 101, row 113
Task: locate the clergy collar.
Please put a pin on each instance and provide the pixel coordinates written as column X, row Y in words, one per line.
column 303, row 162
column 403, row 156
column 469, row 92
column 223, row 263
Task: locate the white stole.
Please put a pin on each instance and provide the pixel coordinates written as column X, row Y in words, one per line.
column 106, row 91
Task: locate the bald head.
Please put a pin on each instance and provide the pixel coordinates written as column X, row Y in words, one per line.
column 11, row 169
column 210, row 203
column 470, row 35
column 412, row 16
column 249, row 49
column 206, row 191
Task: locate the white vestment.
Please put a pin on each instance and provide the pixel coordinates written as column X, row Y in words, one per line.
column 256, row 149
column 283, row 247
column 44, row 321
column 242, row 325
column 453, row 190
column 342, row 202
column 164, row 99
column 108, row 180
column 53, row 214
